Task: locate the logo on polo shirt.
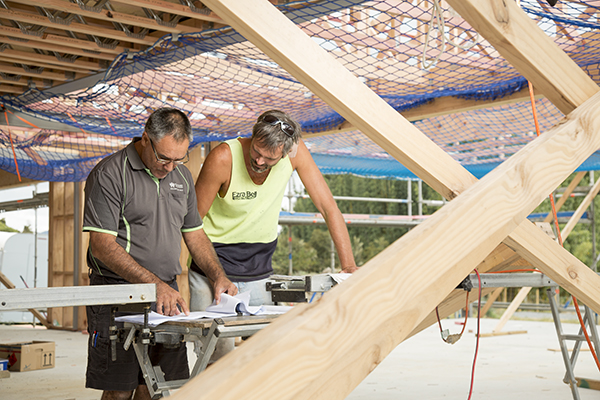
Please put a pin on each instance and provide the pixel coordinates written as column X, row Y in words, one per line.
column 176, row 186
column 247, row 195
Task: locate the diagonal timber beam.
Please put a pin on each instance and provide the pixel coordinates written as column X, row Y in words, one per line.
column 548, row 253
column 400, row 286
column 537, row 57
column 501, row 258
column 295, row 52
column 520, row 41
column 503, row 199
column 328, row 79
column 545, row 65
column 564, row 234
column 568, row 228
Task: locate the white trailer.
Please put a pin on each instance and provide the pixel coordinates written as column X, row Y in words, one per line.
column 25, row 265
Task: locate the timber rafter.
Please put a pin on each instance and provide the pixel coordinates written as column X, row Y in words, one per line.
column 51, row 33
column 408, row 280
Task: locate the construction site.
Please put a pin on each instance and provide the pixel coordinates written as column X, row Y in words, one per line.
column 490, row 103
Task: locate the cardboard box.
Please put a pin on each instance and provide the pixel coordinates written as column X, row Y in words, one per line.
column 28, row 356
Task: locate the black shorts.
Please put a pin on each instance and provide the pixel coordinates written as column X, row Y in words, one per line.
column 124, row 374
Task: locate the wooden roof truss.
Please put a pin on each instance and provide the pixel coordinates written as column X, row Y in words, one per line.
column 45, row 43
column 335, row 342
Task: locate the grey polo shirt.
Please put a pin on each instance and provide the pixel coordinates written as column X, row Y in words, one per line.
column 147, row 215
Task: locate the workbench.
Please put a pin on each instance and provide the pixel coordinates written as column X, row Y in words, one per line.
column 203, row 333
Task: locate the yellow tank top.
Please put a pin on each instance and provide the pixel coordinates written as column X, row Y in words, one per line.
column 248, row 213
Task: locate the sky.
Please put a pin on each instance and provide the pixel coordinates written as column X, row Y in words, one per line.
column 19, row 219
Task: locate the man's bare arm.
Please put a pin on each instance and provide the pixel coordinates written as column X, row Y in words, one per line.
column 323, row 199
column 106, row 249
column 214, row 177
column 204, row 255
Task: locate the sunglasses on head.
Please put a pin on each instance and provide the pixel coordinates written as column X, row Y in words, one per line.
column 284, row 126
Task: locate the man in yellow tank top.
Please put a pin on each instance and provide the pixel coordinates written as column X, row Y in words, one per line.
column 240, row 189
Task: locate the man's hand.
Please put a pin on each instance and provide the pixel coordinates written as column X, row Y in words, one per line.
column 204, row 255
column 223, row 285
column 167, row 300
column 350, row 269
column 106, row 249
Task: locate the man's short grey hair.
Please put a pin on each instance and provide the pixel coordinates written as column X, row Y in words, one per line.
column 272, row 136
column 169, row 122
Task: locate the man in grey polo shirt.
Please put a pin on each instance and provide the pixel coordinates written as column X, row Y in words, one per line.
column 139, row 202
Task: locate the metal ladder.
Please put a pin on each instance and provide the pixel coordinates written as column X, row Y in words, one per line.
column 590, row 322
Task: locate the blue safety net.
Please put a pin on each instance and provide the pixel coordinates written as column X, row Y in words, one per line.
column 409, row 52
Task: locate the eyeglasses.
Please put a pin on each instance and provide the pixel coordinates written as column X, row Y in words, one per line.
column 284, row 126
column 165, row 161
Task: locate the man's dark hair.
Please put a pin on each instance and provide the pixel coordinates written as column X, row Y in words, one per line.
column 168, row 122
column 272, row 136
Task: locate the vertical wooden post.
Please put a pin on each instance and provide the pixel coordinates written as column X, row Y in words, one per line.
column 61, row 250
column 83, row 242
column 55, row 244
column 490, row 301
column 512, row 308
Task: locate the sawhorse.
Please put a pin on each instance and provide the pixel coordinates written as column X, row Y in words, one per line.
column 540, row 280
column 589, row 320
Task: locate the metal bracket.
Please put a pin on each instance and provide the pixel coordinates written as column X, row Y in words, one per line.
column 108, row 44
column 466, row 284
column 10, row 77
column 159, row 20
column 118, row 25
column 204, row 10
column 27, row 68
column 55, row 17
column 97, row 8
column 59, row 57
column 26, row 29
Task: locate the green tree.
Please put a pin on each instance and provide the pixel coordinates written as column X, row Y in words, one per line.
column 304, row 256
column 579, row 242
column 320, row 240
column 375, row 247
column 27, row 229
column 367, row 241
column 358, row 251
